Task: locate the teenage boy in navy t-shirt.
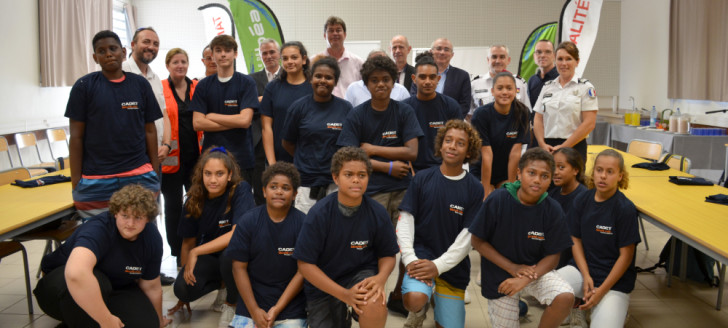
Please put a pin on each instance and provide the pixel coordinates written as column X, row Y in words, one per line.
column 431, row 108
column 113, row 138
column 262, row 246
column 224, row 104
column 432, row 232
column 519, row 233
column 346, row 249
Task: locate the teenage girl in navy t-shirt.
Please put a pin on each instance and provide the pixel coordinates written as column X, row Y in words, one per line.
column 216, row 201
column 605, row 233
column 568, row 184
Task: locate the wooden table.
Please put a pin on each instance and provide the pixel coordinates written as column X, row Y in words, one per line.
column 681, row 211
column 24, row 209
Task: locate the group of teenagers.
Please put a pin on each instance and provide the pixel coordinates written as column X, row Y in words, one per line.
column 346, row 189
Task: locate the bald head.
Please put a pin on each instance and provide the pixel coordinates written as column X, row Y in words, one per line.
column 400, row 48
column 442, row 51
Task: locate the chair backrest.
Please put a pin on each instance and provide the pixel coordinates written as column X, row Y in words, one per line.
column 18, row 173
column 677, row 162
column 645, row 149
column 4, row 148
column 26, row 140
column 54, row 136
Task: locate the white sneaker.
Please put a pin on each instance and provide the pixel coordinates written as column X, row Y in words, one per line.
column 415, row 319
column 578, row 319
column 217, row 305
column 228, row 313
column 467, row 297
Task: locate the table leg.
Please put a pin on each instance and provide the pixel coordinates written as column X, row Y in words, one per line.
column 721, row 283
column 683, row 261
column 671, row 261
column 644, row 233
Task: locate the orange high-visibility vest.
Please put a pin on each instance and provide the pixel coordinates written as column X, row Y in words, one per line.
column 171, row 163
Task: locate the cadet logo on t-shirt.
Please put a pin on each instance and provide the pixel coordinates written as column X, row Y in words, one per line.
column 231, row 103
column 389, row 135
column 222, row 223
column 135, row 270
column 604, row 230
column 285, row 251
column 457, row 209
column 359, row 244
column 512, row 134
column 130, row 105
column 536, row 235
column 334, row 126
column 437, row 124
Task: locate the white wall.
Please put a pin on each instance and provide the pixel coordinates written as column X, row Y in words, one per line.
column 643, row 74
column 25, row 105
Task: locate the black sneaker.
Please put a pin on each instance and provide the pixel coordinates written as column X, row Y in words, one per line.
column 166, row 280
column 396, row 305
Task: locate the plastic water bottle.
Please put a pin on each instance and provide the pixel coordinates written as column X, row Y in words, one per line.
column 653, row 117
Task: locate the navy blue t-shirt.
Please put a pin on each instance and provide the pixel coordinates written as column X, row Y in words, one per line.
column 229, row 98
column 442, row 208
column 566, row 201
column 121, row 260
column 432, row 115
column 267, row 247
column 390, row 128
column 115, row 115
column 214, row 222
column 500, row 132
column 277, row 98
column 343, row 246
column 314, row 127
column 604, row 228
column 521, row 233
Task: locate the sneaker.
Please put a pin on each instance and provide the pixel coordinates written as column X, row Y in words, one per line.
column 396, row 305
column 219, row 302
column 166, row 280
column 228, row 313
column 415, row 319
column 578, row 319
column 467, row 297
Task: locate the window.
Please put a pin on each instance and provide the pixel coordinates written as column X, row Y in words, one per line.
column 121, row 23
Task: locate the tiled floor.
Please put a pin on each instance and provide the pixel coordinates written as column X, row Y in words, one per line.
column 653, row 304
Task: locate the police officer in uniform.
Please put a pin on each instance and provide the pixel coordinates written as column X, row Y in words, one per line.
column 498, row 61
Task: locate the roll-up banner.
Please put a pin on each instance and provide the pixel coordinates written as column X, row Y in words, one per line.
column 254, row 21
column 527, row 66
column 579, row 24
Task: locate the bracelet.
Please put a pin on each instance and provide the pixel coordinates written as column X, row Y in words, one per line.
column 391, row 164
column 168, row 146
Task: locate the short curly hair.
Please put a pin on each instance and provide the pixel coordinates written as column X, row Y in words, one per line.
column 349, row 154
column 285, row 169
column 378, row 63
column 474, row 142
column 135, row 199
column 624, row 183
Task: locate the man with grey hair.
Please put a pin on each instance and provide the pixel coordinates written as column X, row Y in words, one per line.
column 454, row 82
column 357, row 92
column 400, row 48
column 498, row 60
column 271, row 54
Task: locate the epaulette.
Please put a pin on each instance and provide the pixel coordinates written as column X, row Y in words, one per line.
column 550, row 82
column 518, row 77
column 475, row 78
column 583, row 80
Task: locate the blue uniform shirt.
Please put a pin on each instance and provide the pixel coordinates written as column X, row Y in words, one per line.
column 604, row 228
column 389, row 128
column 314, row 128
column 431, row 115
column 442, row 208
column 229, row 98
column 277, row 98
column 521, row 233
column 566, row 201
column 343, row 246
column 214, row 222
column 500, row 132
column 121, row 260
column 115, row 114
column 267, row 247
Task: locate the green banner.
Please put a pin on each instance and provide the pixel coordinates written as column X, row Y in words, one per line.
column 254, row 21
column 527, row 67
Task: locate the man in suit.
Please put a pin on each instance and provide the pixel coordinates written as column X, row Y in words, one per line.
column 454, row 82
column 400, row 49
column 270, row 51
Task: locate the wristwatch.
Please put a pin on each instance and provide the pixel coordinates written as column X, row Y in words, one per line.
column 168, row 146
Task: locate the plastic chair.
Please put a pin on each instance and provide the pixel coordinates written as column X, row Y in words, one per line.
column 11, row 247
column 27, row 140
column 677, row 162
column 54, row 234
column 4, row 148
column 54, row 136
column 646, row 149
column 9, row 176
